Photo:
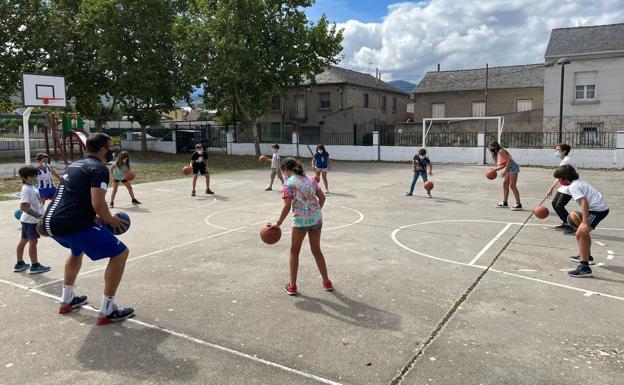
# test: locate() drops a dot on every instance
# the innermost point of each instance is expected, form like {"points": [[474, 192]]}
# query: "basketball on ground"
{"points": [[130, 176], [187, 170], [429, 185], [270, 235], [491, 174], [124, 217], [575, 218], [540, 212], [263, 159]]}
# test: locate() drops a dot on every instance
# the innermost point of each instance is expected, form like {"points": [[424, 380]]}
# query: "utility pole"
{"points": [[485, 111]]}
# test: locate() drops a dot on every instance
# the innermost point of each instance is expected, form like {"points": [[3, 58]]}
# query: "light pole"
{"points": [[562, 62]]}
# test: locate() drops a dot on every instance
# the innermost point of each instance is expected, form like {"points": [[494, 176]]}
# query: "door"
{"points": [[300, 110]]}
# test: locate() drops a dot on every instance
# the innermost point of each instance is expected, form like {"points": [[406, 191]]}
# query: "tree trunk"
{"points": [[143, 138], [247, 123]]}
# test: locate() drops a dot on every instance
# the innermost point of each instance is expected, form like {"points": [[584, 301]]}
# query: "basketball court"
{"points": [[449, 290]]}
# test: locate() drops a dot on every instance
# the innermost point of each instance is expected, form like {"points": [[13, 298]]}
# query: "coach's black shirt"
{"points": [[71, 210]]}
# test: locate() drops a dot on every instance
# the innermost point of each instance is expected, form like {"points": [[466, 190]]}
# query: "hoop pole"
{"points": [[423, 133], [25, 118]]}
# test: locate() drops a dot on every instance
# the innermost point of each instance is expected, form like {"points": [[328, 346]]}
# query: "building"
{"points": [[181, 114], [337, 101], [514, 92], [593, 85]]}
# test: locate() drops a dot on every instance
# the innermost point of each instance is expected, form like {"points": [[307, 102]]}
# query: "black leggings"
{"points": [[559, 202]]}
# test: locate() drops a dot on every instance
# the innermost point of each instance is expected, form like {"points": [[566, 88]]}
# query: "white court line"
{"points": [[600, 243], [191, 339], [394, 238], [490, 243]]}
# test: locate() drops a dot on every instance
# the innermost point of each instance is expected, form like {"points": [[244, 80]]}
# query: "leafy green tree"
{"points": [[250, 50]]}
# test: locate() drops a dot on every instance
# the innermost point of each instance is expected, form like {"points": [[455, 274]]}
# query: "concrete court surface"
{"points": [[449, 290]]}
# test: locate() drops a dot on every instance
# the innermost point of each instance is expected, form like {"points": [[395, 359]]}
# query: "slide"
{"points": [[81, 138]]}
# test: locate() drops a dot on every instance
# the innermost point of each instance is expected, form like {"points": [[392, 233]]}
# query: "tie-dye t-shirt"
{"points": [[305, 204]]}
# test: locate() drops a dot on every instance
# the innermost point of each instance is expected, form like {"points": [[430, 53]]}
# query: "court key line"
{"points": [[191, 339], [490, 243]]}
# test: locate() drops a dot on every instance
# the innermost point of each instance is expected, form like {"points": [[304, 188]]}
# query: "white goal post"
{"points": [[426, 127]]}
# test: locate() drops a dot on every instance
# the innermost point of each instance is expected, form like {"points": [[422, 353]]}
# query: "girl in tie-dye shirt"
{"points": [[304, 196]]}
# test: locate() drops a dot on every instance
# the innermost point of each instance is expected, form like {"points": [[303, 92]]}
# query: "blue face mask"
{"points": [[557, 154]]}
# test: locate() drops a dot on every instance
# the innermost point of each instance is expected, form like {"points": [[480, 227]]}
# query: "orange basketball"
{"points": [[130, 176], [187, 170], [575, 218], [540, 212], [270, 235], [491, 174], [263, 158], [429, 185]]}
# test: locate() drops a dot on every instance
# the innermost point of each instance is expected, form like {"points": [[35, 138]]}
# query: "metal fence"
{"points": [[267, 133], [589, 139]]}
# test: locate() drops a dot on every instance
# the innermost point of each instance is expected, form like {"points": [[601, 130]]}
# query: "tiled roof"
{"points": [[520, 76], [338, 75], [583, 40]]}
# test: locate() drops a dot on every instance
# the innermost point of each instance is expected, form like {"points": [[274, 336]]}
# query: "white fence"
{"points": [[584, 158]]}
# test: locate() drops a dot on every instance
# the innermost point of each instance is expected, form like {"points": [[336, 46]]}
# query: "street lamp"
{"points": [[562, 62]]}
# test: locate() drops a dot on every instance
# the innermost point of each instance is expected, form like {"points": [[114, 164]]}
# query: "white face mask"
{"points": [[199, 150], [319, 152]]}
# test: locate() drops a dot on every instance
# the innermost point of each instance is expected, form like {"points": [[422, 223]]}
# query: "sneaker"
{"points": [[209, 191], [328, 286], [562, 226], [268, 189], [569, 231], [326, 192], [502, 205], [116, 316], [193, 193], [408, 194], [516, 207], [21, 266], [135, 202], [112, 205], [429, 196], [75, 303], [291, 289], [581, 271], [577, 259], [38, 268]]}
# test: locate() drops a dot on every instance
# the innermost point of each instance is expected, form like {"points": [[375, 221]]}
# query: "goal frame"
{"points": [[425, 128]]}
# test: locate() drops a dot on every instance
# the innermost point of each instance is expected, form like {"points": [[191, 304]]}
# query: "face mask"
{"points": [[110, 154], [564, 182], [319, 152], [199, 150], [557, 154]]}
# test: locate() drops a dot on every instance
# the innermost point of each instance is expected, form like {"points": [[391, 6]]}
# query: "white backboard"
{"points": [[40, 90]]}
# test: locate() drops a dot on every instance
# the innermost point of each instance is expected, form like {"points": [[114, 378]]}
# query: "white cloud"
{"points": [[414, 36]]}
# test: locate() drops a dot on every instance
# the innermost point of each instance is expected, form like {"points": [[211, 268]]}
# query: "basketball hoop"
{"points": [[47, 101]]}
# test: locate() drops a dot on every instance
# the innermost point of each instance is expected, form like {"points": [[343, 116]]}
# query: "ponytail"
{"points": [[292, 164]]}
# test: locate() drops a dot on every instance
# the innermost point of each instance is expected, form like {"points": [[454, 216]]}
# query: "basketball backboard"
{"points": [[40, 90]]}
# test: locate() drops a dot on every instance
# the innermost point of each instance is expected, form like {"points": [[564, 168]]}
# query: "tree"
{"points": [[21, 25], [251, 50]]}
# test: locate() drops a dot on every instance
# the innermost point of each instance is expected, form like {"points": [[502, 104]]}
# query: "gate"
{"points": [[213, 138]]}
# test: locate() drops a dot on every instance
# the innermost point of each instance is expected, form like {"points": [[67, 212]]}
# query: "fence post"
{"points": [[229, 140], [376, 148], [295, 142], [619, 150], [481, 144]]}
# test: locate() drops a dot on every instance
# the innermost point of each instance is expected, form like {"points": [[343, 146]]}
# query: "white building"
{"points": [[593, 96]]}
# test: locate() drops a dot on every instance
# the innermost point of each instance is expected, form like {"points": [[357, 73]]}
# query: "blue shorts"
{"points": [[47, 193], [514, 169], [96, 241], [306, 228], [29, 231]]}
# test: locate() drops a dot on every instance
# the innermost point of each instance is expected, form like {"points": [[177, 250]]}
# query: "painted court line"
{"points": [[490, 243], [191, 339]]}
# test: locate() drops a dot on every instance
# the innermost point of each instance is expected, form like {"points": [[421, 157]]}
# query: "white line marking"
{"points": [[610, 256], [191, 339], [588, 294], [527, 270], [600, 243], [610, 252], [490, 243]]}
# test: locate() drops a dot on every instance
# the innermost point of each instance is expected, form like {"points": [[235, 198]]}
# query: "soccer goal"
{"points": [[428, 122]]}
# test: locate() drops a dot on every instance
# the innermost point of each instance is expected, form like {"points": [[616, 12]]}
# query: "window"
{"points": [[383, 103], [589, 133], [276, 103], [324, 101], [300, 110], [523, 105], [394, 104], [478, 109], [585, 85], [366, 105], [437, 110]]}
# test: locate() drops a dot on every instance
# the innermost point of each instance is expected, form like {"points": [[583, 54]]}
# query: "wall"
{"points": [[152, 145]]}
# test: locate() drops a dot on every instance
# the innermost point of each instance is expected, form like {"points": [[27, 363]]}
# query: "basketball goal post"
{"points": [[428, 122]]}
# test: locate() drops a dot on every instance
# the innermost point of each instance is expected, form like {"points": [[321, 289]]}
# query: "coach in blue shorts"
{"points": [[76, 218]]}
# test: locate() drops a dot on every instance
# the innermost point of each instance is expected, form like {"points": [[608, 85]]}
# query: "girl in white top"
{"points": [[562, 198]]}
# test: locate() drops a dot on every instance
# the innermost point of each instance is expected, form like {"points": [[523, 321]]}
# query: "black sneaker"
{"points": [[581, 271], [115, 316], [209, 191], [577, 259], [38, 268], [21, 266], [502, 205], [135, 202], [112, 205], [193, 193], [569, 231], [562, 226], [268, 189], [75, 303], [516, 207]]}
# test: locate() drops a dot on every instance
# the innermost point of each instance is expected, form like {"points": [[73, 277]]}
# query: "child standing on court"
{"points": [[419, 167], [563, 196], [45, 183], [32, 209], [320, 163], [199, 163], [304, 196], [275, 167], [505, 162], [118, 170], [594, 209]]}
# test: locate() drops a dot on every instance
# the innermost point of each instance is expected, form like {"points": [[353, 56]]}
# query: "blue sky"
{"points": [[408, 38]]}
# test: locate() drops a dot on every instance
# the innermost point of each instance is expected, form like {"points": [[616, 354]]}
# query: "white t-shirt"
{"points": [[31, 196], [580, 188], [275, 161], [564, 161]]}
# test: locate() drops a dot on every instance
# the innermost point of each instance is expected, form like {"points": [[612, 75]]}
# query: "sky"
{"points": [[406, 39]]}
